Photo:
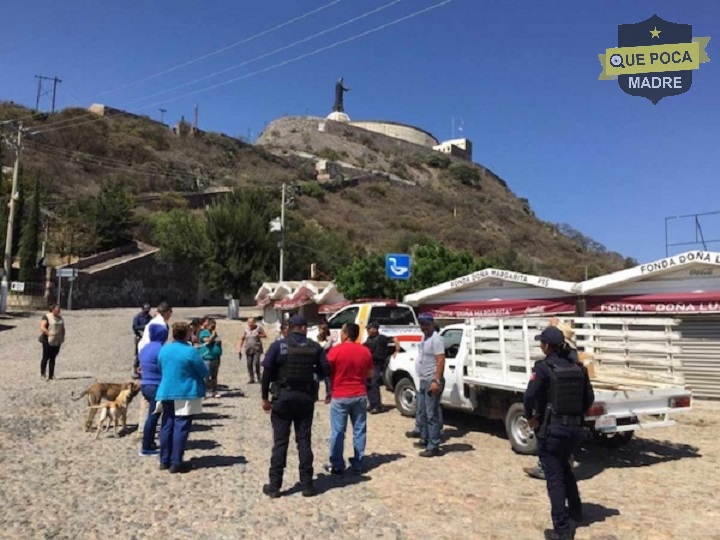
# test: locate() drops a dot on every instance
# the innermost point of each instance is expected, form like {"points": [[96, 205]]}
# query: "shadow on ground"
{"points": [[596, 513], [373, 461], [205, 427], [594, 459], [208, 462], [211, 416], [202, 444], [4, 327]]}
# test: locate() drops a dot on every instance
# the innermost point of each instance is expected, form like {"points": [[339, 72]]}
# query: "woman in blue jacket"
{"points": [[150, 379], [181, 390]]}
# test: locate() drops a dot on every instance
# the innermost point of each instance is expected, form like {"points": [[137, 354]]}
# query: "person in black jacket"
{"points": [[380, 348], [139, 323], [292, 366], [557, 397]]}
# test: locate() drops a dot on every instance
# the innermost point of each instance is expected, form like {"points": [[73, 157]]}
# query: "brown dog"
{"points": [[110, 391], [113, 411]]}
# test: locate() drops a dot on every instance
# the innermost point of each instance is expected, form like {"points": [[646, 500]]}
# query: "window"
{"points": [[347, 316], [392, 316], [452, 339]]}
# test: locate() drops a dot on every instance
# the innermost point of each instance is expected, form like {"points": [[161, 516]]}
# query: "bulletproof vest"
{"points": [[297, 372], [567, 387]]}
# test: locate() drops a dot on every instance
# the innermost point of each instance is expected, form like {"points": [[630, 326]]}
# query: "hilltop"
{"points": [[390, 193]]}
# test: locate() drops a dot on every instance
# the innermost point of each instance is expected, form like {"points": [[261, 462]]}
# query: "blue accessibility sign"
{"points": [[397, 266]]}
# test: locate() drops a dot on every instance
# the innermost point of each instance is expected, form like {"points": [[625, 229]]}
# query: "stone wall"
{"points": [[142, 279]]}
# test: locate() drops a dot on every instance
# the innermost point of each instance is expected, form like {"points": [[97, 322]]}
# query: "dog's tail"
{"points": [[72, 395]]}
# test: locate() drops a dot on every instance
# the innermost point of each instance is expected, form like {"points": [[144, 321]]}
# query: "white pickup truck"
{"points": [[396, 321], [489, 361]]}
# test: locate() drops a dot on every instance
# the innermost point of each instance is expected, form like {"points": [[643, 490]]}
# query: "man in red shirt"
{"points": [[350, 366]]}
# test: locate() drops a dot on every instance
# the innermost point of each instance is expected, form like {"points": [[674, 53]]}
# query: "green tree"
{"points": [[432, 263], [30, 239], [240, 243], [113, 216], [181, 236]]}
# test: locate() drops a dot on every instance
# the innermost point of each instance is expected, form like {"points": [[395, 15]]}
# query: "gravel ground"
{"points": [[57, 482]]}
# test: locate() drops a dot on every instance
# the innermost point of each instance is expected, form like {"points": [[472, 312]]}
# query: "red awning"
{"points": [[263, 301], [671, 303], [500, 308]]}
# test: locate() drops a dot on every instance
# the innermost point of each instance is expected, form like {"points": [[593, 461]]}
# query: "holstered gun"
{"points": [[542, 431], [274, 391]]}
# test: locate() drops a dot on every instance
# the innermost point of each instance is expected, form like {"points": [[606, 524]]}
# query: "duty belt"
{"points": [[563, 420]]}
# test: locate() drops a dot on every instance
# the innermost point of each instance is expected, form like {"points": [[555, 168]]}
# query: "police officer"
{"points": [[292, 365], [557, 396]]}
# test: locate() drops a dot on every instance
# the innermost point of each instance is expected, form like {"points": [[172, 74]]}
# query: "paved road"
{"points": [[57, 482]]}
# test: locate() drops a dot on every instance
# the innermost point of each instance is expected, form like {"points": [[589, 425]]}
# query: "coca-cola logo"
{"points": [[702, 272]]}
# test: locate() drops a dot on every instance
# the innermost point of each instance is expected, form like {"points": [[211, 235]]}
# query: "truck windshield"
{"points": [[347, 316], [392, 315]]}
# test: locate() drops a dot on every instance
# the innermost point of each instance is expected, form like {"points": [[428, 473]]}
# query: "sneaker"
{"points": [[271, 491], [164, 466], [535, 472], [151, 452], [215, 395], [309, 491], [332, 470], [377, 410], [420, 444], [180, 469], [430, 453], [251, 381], [412, 434]]}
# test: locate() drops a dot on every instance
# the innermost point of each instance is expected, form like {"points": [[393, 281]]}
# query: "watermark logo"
{"points": [[654, 58]]}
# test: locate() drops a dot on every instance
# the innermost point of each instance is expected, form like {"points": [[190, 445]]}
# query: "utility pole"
{"points": [[55, 82], [7, 262], [162, 115], [282, 234]]}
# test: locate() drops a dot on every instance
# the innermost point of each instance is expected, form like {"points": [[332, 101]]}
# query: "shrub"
{"points": [[437, 161], [314, 190], [329, 153], [352, 196], [465, 174], [377, 190]]}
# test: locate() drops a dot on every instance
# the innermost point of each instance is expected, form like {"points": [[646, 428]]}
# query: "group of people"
{"points": [[174, 377], [294, 367]]}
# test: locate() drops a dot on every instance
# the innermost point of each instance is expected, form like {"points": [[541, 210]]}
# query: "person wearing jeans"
{"points": [[150, 379], [180, 393], [251, 345], [429, 368], [350, 365]]}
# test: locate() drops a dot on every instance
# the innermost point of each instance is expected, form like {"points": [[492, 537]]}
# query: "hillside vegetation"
{"points": [[393, 194]]}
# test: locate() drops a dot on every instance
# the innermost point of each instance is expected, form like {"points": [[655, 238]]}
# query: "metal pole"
{"points": [[55, 83], [282, 233], [7, 262], [39, 90], [69, 304], [59, 291]]}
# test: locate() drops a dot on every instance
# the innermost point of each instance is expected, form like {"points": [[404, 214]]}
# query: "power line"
{"points": [[221, 50], [275, 66], [271, 53], [252, 60]]}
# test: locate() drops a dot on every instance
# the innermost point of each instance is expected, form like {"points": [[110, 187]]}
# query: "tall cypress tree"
{"points": [[30, 239]]}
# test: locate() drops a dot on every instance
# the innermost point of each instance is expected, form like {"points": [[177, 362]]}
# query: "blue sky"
{"points": [[522, 76]]}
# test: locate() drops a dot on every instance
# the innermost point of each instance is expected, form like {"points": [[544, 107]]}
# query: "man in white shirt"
{"points": [[429, 368], [162, 316]]}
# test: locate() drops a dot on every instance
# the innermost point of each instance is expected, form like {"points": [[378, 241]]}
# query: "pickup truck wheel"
{"points": [[406, 397], [613, 440], [522, 439]]}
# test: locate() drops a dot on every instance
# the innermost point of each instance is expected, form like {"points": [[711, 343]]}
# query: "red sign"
{"points": [[672, 303], [501, 308]]}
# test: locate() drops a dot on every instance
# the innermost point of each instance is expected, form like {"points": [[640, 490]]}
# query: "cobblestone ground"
{"points": [[57, 482]]}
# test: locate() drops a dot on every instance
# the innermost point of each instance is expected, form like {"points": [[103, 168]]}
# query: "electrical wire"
{"points": [[266, 55], [221, 50], [275, 66], [69, 121]]}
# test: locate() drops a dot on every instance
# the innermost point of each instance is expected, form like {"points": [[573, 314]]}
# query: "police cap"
{"points": [[551, 335]]}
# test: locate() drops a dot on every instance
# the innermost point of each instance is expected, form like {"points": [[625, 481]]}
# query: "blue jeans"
{"points": [[151, 422], [340, 409], [429, 417], [174, 434]]}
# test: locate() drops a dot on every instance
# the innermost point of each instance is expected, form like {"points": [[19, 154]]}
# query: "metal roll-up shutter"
{"points": [[700, 355]]}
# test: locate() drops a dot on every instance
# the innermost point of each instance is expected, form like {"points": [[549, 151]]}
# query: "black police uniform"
{"points": [[558, 394], [292, 365], [379, 348]]}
